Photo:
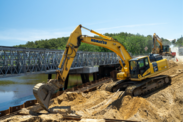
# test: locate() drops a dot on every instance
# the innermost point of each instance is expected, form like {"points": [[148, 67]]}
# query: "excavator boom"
{"points": [[74, 41]]}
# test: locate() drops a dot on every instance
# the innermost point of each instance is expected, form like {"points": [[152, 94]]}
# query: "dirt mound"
{"points": [[40, 118], [130, 106], [163, 105], [103, 86], [70, 96], [67, 97], [172, 63]]}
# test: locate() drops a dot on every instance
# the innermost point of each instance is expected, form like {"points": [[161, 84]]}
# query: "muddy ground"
{"points": [[165, 104]]}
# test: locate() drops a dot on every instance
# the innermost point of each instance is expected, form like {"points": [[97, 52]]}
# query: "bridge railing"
{"points": [[29, 60]]}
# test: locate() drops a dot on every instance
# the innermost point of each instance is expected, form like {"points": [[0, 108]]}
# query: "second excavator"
{"points": [[163, 50], [137, 76]]}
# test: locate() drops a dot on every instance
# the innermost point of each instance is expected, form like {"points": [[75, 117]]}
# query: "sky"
{"points": [[31, 20]]}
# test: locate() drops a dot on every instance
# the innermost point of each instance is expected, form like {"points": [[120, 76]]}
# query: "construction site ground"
{"points": [[165, 104]]}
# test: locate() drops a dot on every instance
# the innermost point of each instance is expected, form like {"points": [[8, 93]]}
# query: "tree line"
{"points": [[134, 43], [179, 42]]}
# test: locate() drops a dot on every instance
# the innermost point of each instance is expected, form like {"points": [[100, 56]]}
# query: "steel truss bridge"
{"points": [[20, 61]]}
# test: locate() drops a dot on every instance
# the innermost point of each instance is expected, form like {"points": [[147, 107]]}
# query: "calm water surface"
{"points": [[22, 89]]}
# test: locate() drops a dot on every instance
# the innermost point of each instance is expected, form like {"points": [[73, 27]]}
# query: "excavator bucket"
{"points": [[44, 91], [42, 94]]}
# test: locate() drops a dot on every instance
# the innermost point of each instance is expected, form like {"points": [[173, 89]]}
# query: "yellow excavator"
{"points": [[163, 50], [136, 77]]}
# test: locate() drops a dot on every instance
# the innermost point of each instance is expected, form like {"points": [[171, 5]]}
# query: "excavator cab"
{"points": [[138, 66], [165, 48]]}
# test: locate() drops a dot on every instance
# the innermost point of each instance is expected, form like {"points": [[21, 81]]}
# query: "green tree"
{"points": [[134, 43]]}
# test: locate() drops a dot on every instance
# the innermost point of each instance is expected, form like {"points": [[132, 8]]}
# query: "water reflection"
{"points": [[21, 91], [15, 94], [15, 102], [4, 98], [18, 90]]}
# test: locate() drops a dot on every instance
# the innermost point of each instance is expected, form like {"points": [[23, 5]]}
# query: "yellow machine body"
{"points": [[135, 69], [147, 70]]}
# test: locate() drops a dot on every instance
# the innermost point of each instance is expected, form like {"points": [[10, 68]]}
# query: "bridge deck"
{"points": [[21, 61]]}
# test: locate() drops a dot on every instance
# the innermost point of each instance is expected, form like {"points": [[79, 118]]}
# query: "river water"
{"points": [[17, 90]]}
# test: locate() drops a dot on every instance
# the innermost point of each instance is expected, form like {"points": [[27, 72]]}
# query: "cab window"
{"points": [[133, 65], [146, 62], [165, 48], [133, 69], [141, 63]]}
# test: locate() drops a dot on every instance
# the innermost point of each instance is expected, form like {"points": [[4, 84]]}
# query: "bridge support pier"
{"points": [[85, 78], [108, 71], [49, 76], [95, 76]]}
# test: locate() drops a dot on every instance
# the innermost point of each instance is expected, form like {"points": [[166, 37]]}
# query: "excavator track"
{"points": [[135, 88], [111, 87], [120, 84], [149, 85]]}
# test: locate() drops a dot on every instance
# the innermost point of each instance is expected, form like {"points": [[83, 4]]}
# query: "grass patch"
{"points": [[11, 82], [74, 85], [34, 82], [7, 82], [74, 80]]}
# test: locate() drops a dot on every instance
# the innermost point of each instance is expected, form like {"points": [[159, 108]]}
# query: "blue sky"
{"points": [[31, 20]]}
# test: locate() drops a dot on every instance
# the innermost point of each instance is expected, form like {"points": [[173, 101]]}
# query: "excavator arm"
{"points": [[74, 42], [43, 92], [156, 38]]}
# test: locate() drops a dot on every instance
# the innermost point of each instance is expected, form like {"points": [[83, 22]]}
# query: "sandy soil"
{"points": [[163, 105]]}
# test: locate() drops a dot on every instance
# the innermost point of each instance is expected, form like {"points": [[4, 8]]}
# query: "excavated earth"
{"points": [[165, 104]]}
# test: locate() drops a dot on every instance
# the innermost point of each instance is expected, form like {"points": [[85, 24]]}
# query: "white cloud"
{"points": [[31, 35]]}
